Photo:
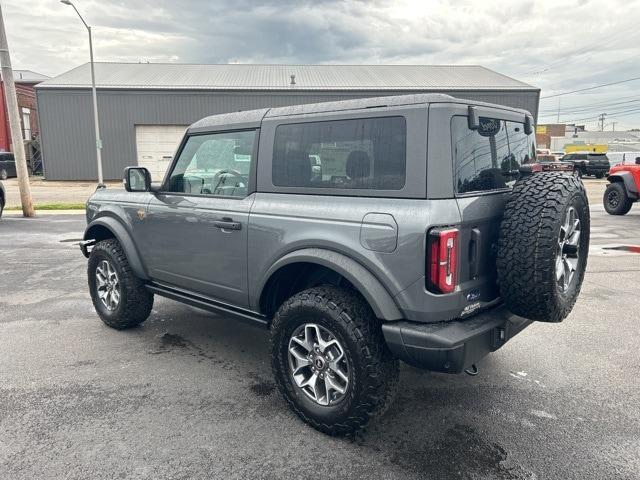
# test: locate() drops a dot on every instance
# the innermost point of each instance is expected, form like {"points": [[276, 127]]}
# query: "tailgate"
{"points": [[481, 216]]}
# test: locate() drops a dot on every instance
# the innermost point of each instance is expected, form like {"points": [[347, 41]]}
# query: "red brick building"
{"points": [[28, 109]]}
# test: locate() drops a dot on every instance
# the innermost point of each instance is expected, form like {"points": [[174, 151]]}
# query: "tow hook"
{"points": [[472, 370]]}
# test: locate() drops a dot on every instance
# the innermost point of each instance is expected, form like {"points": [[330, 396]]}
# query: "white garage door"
{"points": [[156, 145]]}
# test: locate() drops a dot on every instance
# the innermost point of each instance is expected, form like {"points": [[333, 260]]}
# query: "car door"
{"points": [[195, 233]]}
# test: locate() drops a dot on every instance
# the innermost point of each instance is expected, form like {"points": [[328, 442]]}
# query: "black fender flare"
{"points": [[363, 280], [629, 183], [123, 236]]}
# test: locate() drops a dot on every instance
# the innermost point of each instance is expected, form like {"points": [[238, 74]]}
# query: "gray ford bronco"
{"points": [[362, 232]]}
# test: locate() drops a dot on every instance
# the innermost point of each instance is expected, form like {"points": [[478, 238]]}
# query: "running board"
{"points": [[209, 305]]}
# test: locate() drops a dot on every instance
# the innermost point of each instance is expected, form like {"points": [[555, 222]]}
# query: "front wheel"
{"points": [[330, 360], [119, 297], [616, 201]]}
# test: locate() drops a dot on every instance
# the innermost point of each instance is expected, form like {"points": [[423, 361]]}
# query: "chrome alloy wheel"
{"points": [[318, 364], [568, 249], [107, 285]]}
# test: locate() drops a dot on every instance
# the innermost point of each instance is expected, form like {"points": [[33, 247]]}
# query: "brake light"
{"points": [[442, 260]]}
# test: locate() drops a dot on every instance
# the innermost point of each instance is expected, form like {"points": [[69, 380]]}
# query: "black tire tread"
{"points": [[138, 300], [527, 244], [381, 368], [625, 204]]}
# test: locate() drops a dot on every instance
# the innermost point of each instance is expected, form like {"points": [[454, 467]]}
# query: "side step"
{"points": [[209, 304]]}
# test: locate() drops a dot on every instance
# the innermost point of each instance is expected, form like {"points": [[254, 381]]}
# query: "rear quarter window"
{"points": [[489, 162], [367, 153]]}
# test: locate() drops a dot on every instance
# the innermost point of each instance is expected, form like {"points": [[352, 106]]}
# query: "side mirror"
{"points": [[637, 160], [137, 179]]}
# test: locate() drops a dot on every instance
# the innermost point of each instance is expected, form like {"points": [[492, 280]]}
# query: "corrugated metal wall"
{"points": [[66, 120]]}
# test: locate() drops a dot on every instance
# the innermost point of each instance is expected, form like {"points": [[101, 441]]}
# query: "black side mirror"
{"points": [[637, 160], [137, 179]]}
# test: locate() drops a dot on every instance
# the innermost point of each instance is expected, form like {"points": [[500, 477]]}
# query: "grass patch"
{"points": [[52, 206]]}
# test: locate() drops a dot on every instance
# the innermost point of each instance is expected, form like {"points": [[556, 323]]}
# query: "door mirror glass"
{"points": [[137, 179], [637, 160]]}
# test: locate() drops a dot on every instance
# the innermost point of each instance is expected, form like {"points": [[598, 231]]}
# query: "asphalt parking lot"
{"points": [[189, 394]]}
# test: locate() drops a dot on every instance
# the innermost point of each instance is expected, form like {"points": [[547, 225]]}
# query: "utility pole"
{"points": [[558, 118], [601, 120], [14, 123], [613, 126]]}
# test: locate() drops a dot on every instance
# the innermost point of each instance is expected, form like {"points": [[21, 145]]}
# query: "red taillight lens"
{"points": [[442, 262]]}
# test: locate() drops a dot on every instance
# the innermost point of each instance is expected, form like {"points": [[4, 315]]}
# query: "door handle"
{"points": [[227, 224]]}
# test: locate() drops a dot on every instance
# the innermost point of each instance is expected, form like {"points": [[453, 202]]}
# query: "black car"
{"points": [[3, 198], [596, 164], [7, 165]]}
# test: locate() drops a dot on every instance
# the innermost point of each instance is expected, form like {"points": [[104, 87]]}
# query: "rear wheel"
{"points": [[543, 246], [616, 201], [599, 175], [330, 360], [119, 297]]}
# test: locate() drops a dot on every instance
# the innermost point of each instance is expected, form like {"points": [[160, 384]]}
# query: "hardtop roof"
{"points": [[250, 117]]}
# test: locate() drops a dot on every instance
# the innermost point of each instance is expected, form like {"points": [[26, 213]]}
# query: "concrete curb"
{"points": [[42, 213]]}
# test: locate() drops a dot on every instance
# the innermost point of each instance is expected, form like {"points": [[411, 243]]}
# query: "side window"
{"points": [[489, 158], [214, 164], [368, 153]]}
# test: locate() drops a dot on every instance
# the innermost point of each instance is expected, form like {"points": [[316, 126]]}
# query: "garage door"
{"points": [[156, 145]]}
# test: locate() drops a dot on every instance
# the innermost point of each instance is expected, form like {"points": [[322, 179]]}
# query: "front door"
{"points": [[195, 234]]}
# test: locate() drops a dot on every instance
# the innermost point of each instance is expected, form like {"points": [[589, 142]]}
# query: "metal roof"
{"points": [[173, 76], [28, 76]]}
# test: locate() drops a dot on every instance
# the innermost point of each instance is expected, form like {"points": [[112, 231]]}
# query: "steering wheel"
{"points": [[217, 178]]}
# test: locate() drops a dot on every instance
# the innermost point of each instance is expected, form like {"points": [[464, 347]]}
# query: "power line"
{"points": [[591, 106], [590, 88]]}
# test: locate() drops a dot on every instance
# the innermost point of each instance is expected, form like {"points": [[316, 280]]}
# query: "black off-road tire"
{"points": [[136, 301], [615, 199], [528, 245], [599, 175], [374, 371]]}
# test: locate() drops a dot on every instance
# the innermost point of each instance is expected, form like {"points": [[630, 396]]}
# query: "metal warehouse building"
{"points": [[144, 108]]}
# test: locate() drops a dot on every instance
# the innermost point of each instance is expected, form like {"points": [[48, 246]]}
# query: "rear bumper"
{"points": [[450, 347], [594, 169]]}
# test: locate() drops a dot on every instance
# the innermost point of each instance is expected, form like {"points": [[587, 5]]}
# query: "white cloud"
{"points": [[557, 45]]}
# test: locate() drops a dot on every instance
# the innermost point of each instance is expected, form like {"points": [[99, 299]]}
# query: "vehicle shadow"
{"points": [[441, 424]]}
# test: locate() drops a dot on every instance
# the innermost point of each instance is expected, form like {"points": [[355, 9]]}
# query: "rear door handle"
{"points": [[227, 224]]}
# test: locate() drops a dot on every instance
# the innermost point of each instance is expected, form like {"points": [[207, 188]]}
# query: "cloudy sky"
{"points": [[557, 45]]}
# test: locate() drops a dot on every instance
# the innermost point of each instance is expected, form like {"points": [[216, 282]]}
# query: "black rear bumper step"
{"points": [[209, 304], [450, 347]]}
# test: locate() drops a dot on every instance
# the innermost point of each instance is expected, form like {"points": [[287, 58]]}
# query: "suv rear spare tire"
{"points": [[543, 246]]}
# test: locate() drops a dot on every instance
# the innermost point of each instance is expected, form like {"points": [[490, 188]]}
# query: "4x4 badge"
{"points": [[141, 213]]}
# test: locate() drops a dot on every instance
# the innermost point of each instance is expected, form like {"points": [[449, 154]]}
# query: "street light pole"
{"points": [[96, 122]]}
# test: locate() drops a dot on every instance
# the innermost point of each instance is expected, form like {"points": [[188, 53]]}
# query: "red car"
{"points": [[623, 188]]}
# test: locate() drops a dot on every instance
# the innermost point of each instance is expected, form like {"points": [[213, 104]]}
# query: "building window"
{"points": [[26, 123]]}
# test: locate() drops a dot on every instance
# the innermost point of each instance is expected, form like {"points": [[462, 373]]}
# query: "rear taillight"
{"points": [[442, 260]]}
